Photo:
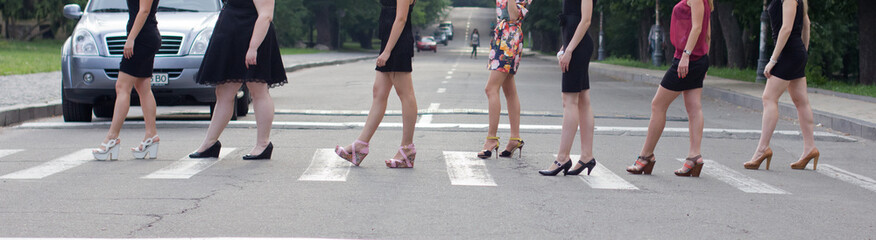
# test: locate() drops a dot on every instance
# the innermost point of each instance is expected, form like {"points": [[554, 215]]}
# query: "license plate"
{"points": [[159, 79]]}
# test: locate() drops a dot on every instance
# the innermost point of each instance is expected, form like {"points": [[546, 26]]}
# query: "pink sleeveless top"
{"points": [[679, 29]]}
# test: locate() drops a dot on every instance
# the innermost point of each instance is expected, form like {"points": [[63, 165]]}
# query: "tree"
{"points": [[866, 42], [46, 15]]}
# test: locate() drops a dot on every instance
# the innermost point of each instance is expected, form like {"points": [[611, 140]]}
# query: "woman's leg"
{"points": [[659, 106], [586, 123], [123, 102], [148, 105], [797, 90], [225, 96], [381, 89], [495, 82], [511, 97], [263, 105], [404, 87], [570, 127], [694, 106], [771, 93]]}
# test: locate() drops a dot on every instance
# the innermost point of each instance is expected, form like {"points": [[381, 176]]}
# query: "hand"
{"points": [[381, 60], [251, 56], [768, 69], [564, 61], [683, 66], [128, 51]]}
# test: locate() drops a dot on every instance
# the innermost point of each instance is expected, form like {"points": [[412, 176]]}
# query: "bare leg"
{"points": [[797, 90], [570, 127], [659, 106], [225, 94], [380, 94], [694, 107], [123, 103], [495, 82], [511, 97], [586, 123], [263, 105], [148, 105], [771, 93], [404, 87]]}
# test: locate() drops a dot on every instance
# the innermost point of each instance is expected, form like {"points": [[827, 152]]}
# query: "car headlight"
{"points": [[84, 44], [199, 46]]}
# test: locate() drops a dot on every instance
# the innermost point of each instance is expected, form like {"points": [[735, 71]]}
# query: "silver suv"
{"points": [[90, 57]]}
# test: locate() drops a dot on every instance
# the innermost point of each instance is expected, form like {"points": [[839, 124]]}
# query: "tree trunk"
{"points": [[866, 41], [732, 34], [644, 28], [324, 27], [717, 49]]}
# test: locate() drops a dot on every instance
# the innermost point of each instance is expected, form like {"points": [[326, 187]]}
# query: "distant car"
{"points": [[447, 26], [440, 37], [427, 44]]}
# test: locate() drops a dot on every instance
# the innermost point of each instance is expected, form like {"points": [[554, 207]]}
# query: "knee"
{"points": [[491, 91], [799, 101]]}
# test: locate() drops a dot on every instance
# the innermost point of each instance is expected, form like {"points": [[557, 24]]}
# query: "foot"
{"points": [[206, 145], [258, 149], [105, 142], [154, 138], [512, 144], [490, 144]]}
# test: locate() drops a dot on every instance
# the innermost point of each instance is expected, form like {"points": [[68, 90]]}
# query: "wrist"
{"points": [[686, 52], [773, 60]]}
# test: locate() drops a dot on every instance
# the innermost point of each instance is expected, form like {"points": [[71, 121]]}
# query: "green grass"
{"points": [[294, 51], [814, 79], [29, 57]]}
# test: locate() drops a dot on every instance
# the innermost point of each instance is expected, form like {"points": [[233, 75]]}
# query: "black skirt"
{"points": [[792, 61], [400, 57], [577, 79], [145, 47], [694, 79]]}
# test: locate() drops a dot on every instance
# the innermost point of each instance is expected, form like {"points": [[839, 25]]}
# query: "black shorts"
{"points": [[694, 79]]}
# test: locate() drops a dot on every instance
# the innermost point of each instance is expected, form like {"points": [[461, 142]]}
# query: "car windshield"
{"points": [[163, 6], [427, 39]]}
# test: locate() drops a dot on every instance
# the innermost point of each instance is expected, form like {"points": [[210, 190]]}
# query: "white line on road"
{"points": [[7, 152], [465, 169], [54, 166], [427, 118], [443, 82], [326, 166], [450, 72], [187, 167], [448, 77], [736, 179], [602, 178], [849, 177], [441, 90]]}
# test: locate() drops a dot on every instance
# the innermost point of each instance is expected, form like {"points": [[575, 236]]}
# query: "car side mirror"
{"points": [[72, 11]]}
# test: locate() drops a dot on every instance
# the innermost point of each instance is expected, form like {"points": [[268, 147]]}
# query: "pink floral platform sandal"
{"points": [[356, 155], [407, 160]]}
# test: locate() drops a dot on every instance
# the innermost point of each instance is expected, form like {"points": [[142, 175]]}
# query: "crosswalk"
{"points": [[463, 169]]}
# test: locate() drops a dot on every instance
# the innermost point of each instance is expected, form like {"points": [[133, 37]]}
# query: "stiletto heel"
{"points": [[356, 156], [407, 160], [801, 164], [110, 151], [212, 152], [507, 153], [589, 166], [693, 169], [265, 155], [755, 164], [564, 167], [643, 165], [147, 149], [487, 153]]}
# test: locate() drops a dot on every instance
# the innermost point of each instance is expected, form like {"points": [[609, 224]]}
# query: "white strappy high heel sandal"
{"points": [[147, 149], [110, 151]]}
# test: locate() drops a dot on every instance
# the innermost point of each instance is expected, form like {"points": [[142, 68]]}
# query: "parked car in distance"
{"points": [[427, 44], [90, 57], [440, 37], [447, 26]]}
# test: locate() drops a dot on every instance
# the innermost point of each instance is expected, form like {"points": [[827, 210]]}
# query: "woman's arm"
{"points": [[580, 31], [789, 12], [145, 9], [511, 6], [805, 34], [401, 18], [697, 11], [265, 9]]}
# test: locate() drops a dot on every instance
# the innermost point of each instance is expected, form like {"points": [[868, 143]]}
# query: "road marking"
{"points": [[602, 178], [186, 167], [465, 169], [443, 82], [427, 118], [326, 166], [198, 238], [7, 152], [849, 177], [441, 90], [54, 166], [448, 77], [450, 72], [736, 179]]}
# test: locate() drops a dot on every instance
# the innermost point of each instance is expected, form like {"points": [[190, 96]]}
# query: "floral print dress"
{"points": [[507, 43]]}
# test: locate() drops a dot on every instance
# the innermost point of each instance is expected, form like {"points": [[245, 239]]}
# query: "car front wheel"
{"points": [[75, 112]]}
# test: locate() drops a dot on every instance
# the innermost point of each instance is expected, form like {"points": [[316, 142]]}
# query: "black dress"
{"points": [[146, 44], [792, 60], [400, 57], [225, 58], [577, 79]]}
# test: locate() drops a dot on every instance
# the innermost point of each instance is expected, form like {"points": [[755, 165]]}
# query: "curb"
{"points": [[20, 113], [851, 126]]}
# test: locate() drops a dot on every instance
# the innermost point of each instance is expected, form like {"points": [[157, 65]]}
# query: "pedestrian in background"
{"points": [[574, 61], [135, 71], [393, 70], [475, 42], [787, 70], [690, 34], [242, 50], [505, 50]]}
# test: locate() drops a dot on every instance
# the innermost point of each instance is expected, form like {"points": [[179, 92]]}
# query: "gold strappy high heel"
{"points": [[507, 153], [487, 153]]}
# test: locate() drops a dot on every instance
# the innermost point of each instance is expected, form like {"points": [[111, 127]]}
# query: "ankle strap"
{"points": [[360, 142], [492, 138], [516, 139]]}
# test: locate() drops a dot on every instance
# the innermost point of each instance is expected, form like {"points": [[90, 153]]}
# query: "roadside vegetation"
{"points": [[29, 57]]}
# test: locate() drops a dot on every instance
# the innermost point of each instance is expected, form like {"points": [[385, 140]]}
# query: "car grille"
{"points": [[171, 73], [169, 45]]}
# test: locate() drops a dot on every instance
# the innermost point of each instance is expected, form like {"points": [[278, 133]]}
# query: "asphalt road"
{"points": [[50, 188]]}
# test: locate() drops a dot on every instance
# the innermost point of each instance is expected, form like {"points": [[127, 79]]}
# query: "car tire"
{"points": [[418, 50], [75, 112], [242, 104], [104, 110]]}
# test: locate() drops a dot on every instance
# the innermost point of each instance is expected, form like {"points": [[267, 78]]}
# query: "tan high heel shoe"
{"points": [[801, 164], [755, 164]]}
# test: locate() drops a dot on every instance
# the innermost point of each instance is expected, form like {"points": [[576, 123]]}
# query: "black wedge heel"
{"points": [[212, 152], [265, 155]]}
